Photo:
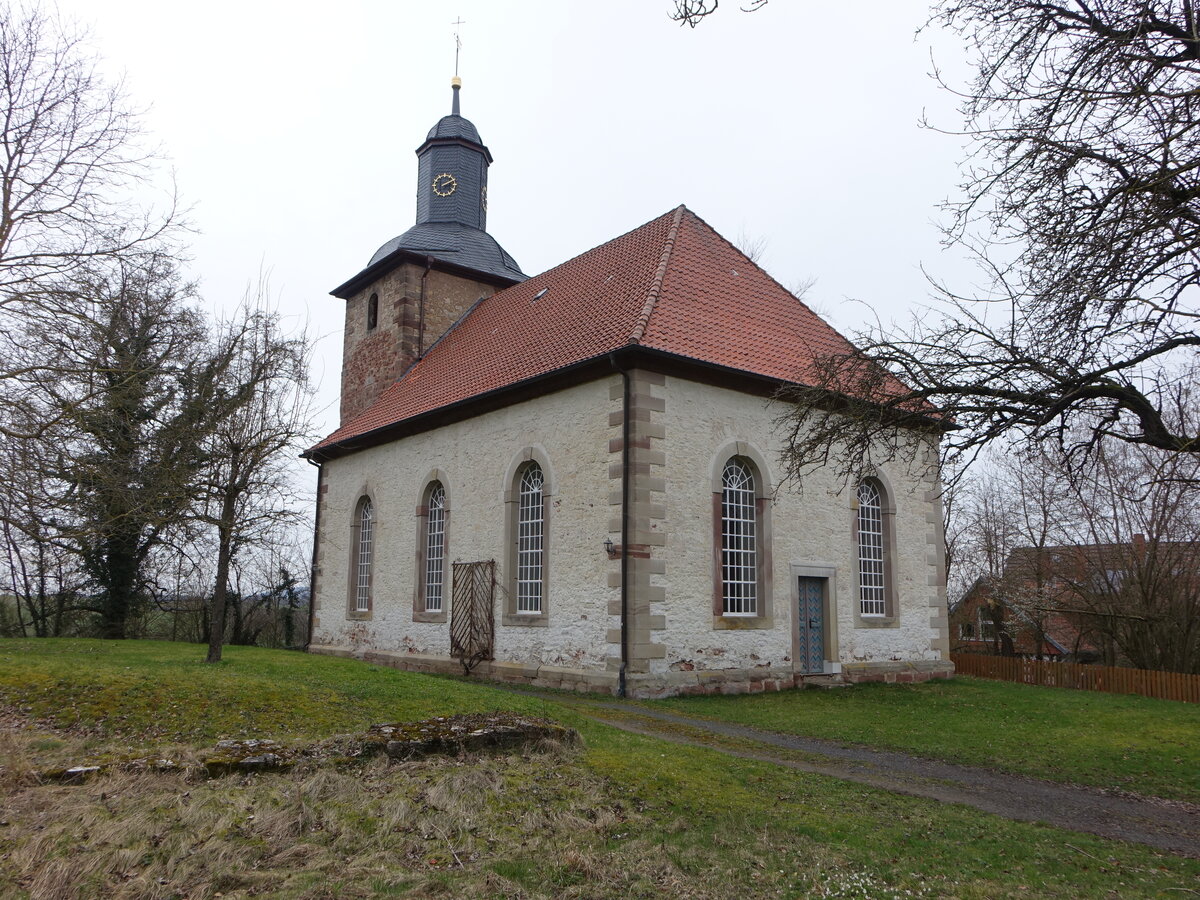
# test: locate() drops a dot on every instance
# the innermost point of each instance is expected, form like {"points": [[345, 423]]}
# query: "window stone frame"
{"points": [[887, 506], [421, 549], [365, 495], [764, 618], [512, 500]]}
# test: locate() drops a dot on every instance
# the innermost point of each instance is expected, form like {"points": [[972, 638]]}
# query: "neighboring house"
{"points": [[573, 479], [1025, 626], [1068, 601]]}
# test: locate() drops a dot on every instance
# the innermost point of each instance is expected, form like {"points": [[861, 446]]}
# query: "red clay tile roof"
{"points": [[673, 285]]}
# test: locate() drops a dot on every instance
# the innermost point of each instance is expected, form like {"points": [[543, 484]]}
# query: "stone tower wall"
{"points": [[373, 359]]}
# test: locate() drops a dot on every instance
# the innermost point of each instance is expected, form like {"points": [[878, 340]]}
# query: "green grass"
{"points": [[164, 691], [1108, 740], [629, 816]]}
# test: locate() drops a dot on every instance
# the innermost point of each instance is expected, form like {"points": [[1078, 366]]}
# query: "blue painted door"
{"points": [[811, 616]]}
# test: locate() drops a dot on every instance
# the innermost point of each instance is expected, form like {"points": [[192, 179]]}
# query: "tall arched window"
{"points": [[530, 546], [365, 528], [435, 547], [872, 568], [739, 540]]}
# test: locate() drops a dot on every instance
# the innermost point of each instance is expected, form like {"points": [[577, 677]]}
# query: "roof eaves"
{"points": [[351, 286], [1057, 644], [381, 434], [643, 319]]}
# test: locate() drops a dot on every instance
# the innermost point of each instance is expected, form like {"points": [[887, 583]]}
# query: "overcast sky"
{"points": [[291, 129]]}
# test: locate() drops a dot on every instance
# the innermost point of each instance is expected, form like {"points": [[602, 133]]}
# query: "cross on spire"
{"points": [[457, 42]]}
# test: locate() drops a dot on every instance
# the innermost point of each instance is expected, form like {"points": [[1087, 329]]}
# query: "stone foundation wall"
{"points": [[897, 672], [649, 687]]}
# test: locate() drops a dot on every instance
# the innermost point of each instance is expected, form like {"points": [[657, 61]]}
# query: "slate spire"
{"points": [[451, 226], [452, 171]]}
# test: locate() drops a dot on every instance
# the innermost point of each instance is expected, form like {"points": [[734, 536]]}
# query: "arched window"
{"points": [[372, 312], [435, 548], [739, 540], [872, 563], [530, 546], [363, 543]]}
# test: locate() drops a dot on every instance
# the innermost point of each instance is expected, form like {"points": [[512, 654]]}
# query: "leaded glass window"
{"points": [[872, 594], [435, 547], [530, 538], [739, 549], [362, 583]]}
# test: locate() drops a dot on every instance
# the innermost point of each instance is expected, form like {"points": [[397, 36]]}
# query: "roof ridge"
{"points": [[643, 319], [583, 253]]}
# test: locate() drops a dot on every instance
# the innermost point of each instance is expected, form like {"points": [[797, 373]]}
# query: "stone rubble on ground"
{"points": [[442, 735]]}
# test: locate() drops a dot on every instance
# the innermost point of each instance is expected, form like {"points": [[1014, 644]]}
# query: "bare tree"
{"points": [[693, 12], [1137, 584], [248, 482], [1107, 555], [981, 524], [1035, 488], [45, 579], [1081, 201], [71, 150]]}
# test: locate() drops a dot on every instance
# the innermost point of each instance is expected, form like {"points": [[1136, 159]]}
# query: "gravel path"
{"points": [[1168, 825]]}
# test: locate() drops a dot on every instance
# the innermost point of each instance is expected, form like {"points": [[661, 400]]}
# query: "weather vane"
{"points": [[457, 42]]}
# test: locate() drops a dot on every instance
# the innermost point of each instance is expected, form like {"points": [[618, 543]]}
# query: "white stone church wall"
{"points": [[812, 525], [570, 430], [700, 427]]}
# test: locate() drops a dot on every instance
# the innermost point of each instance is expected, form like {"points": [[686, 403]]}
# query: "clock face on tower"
{"points": [[445, 184]]}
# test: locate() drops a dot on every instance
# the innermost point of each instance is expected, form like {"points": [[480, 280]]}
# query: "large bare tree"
{"points": [[72, 154], [1081, 202]]}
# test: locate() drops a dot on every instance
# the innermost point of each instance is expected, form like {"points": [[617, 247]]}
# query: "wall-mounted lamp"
{"points": [[610, 548]]}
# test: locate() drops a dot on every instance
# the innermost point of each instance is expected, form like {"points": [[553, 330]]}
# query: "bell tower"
{"points": [[452, 170], [419, 284]]}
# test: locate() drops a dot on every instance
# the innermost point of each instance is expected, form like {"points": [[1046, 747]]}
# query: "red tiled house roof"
{"points": [[673, 286]]}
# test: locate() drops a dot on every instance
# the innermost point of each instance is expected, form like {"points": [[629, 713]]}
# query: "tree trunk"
{"points": [[238, 636], [120, 552], [216, 628]]}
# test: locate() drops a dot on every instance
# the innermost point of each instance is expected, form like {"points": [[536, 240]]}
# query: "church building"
{"points": [[573, 479]]}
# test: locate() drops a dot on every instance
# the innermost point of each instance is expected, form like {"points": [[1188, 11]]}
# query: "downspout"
{"points": [[312, 577], [421, 308], [625, 483]]}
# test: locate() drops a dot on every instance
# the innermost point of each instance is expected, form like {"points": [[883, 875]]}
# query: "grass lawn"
{"points": [[627, 816], [1109, 740]]}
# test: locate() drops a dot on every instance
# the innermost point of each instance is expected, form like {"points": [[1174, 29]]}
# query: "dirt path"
{"points": [[1168, 825]]}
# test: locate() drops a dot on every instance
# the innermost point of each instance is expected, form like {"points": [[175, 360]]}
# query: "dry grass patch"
{"points": [[532, 825]]}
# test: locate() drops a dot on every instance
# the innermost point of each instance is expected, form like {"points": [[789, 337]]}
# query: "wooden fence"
{"points": [[1113, 679]]}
